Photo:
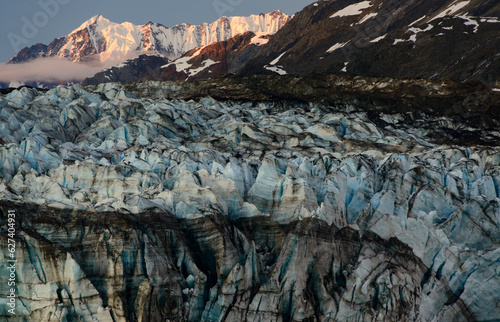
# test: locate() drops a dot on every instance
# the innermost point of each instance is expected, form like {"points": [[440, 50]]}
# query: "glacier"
{"points": [[146, 208]]}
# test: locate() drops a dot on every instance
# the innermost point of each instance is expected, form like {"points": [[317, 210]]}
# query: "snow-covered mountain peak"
{"points": [[109, 43], [98, 20], [273, 13]]}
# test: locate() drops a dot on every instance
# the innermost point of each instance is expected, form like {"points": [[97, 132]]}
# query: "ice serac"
{"points": [[107, 42], [133, 206]]}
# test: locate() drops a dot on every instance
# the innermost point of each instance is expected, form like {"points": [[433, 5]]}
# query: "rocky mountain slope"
{"points": [[101, 40], [400, 39], [135, 207], [456, 40], [144, 66], [208, 61], [213, 60]]}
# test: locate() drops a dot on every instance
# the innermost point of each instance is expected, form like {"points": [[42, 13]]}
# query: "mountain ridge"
{"points": [[435, 40], [422, 39], [100, 39], [216, 59]]}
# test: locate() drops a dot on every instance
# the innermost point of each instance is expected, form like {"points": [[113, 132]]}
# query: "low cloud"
{"points": [[61, 70], [53, 70]]}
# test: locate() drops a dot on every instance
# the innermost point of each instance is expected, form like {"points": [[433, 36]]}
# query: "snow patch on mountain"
{"points": [[396, 218], [276, 68], [335, 47], [415, 31], [367, 17], [275, 61], [352, 10], [98, 20], [344, 69], [205, 64], [397, 41], [452, 9], [181, 64], [259, 40], [378, 38]]}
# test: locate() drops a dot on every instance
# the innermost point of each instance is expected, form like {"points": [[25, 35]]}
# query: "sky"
{"points": [[26, 22]]}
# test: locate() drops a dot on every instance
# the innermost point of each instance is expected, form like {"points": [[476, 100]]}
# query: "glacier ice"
{"points": [[244, 210]]}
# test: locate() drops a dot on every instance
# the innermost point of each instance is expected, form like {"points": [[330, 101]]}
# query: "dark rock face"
{"points": [[224, 57], [399, 39], [144, 66], [30, 53], [470, 103]]}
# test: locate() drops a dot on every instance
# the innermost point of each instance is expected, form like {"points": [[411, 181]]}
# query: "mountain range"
{"points": [[101, 40], [458, 40], [445, 39]]}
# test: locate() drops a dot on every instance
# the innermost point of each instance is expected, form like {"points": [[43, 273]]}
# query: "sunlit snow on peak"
{"points": [[100, 20], [105, 43]]}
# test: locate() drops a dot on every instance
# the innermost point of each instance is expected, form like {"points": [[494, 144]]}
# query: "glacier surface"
{"points": [[135, 208]]}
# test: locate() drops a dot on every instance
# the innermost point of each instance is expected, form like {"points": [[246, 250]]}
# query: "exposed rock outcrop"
{"points": [[220, 58], [144, 66]]}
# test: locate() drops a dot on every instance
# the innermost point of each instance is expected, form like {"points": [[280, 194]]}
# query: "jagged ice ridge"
{"points": [[201, 210]]}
